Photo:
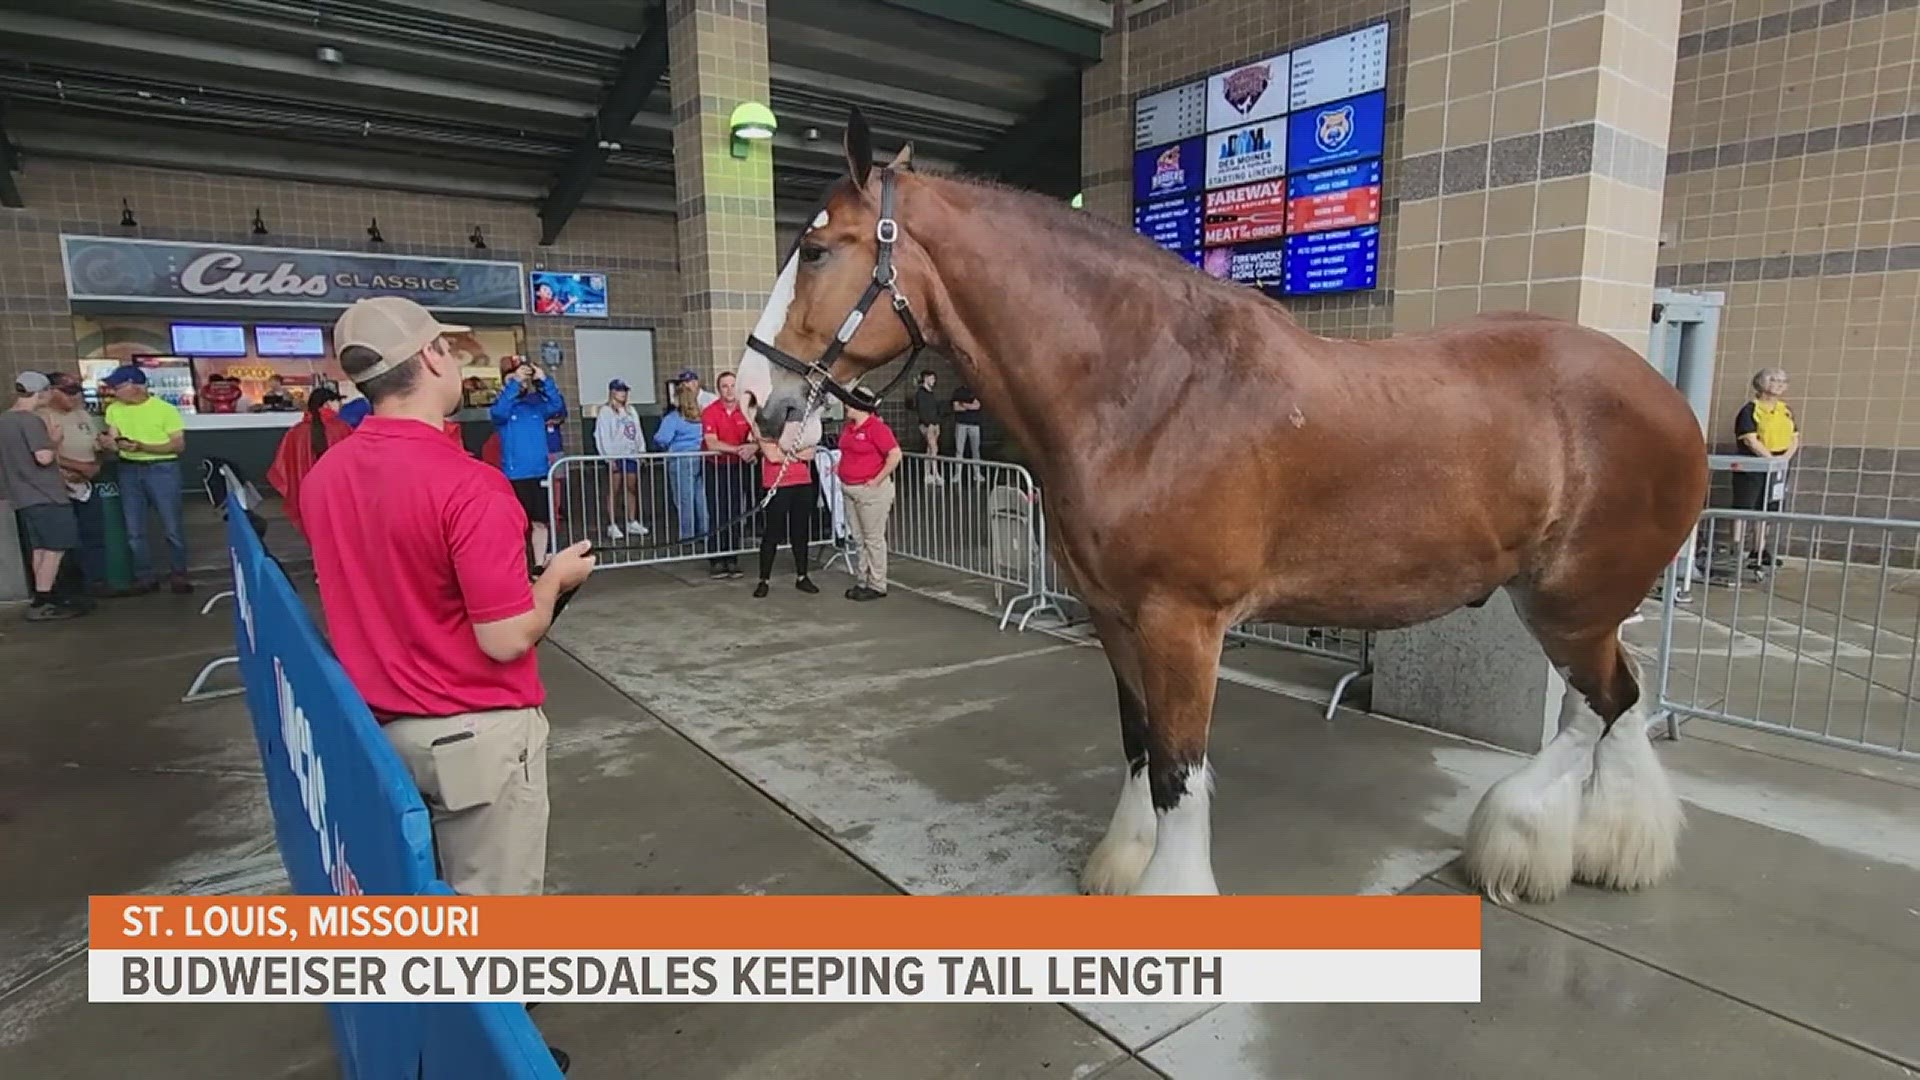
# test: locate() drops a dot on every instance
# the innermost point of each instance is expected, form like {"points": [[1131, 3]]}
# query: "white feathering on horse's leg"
{"points": [[1182, 863], [1630, 819], [1122, 855], [1520, 839]]}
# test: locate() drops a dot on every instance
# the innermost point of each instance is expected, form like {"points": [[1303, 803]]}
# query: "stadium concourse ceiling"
{"points": [[559, 103]]}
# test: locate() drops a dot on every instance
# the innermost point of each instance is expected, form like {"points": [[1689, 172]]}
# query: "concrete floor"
{"points": [[805, 744]]}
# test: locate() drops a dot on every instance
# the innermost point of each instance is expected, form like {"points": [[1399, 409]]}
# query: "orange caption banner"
{"points": [[789, 923]]}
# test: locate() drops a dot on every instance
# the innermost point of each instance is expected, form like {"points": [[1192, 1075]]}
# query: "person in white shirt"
{"points": [[616, 434]]}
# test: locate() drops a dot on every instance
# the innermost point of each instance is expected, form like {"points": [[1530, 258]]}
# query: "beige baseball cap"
{"points": [[393, 326]]}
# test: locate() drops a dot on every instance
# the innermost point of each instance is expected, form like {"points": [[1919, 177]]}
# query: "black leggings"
{"points": [[787, 517]]}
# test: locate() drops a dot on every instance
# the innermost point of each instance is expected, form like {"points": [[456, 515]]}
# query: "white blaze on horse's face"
{"points": [[759, 381]]}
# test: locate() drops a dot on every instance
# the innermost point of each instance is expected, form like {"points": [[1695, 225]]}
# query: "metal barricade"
{"points": [[1820, 647], [1353, 647], [651, 509], [977, 518]]}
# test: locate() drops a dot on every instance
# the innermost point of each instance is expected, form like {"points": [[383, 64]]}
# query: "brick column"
{"points": [[1534, 158], [717, 58]]}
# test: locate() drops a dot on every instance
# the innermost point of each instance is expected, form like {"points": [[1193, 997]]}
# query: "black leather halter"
{"points": [[886, 233]]}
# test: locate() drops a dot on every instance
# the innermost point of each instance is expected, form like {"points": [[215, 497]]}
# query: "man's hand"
{"points": [[570, 568], [747, 452]]}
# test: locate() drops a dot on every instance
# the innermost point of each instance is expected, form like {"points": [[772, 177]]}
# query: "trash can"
{"points": [[106, 488]]}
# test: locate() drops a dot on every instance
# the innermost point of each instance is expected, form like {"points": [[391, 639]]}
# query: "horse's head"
{"points": [[815, 322]]}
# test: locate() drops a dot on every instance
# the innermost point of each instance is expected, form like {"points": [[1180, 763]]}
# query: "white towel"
{"points": [[827, 463]]}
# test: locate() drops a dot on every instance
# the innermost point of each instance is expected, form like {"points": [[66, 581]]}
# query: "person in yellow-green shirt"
{"points": [[149, 435]]}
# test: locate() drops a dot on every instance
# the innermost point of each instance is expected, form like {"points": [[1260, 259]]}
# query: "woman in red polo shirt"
{"points": [[869, 453], [788, 513]]}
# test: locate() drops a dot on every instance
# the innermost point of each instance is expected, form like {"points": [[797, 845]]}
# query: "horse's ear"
{"points": [[903, 160], [859, 146]]}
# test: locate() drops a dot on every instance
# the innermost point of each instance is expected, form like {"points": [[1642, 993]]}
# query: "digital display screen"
{"points": [[1174, 224], [1161, 172], [1337, 132], [1270, 174], [289, 341], [1335, 198], [578, 296], [1343, 260], [1343, 67], [1243, 214], [209, 339]]}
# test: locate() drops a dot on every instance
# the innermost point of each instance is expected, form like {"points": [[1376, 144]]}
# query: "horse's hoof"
{"points": [[1520, 840], [1115, 867], [1630, 819]]}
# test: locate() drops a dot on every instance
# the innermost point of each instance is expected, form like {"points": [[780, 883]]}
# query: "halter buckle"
{"points": [[887, 231]]}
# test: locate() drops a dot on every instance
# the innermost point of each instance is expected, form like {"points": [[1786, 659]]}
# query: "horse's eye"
{"points": [[812, 253]]}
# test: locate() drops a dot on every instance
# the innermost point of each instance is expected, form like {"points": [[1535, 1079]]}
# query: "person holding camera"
{"points": [[528, 400]]}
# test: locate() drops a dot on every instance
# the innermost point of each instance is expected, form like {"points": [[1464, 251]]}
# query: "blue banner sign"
{"points": [[1344, 260], [173, 274], [1339, 132], [1174, 224], [1165, 171], [348, 820]]}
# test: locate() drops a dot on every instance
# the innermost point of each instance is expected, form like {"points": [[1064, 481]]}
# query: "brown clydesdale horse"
{"points": [[1204, 460]]}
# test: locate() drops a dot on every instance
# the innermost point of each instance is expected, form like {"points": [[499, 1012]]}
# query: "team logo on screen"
{"points": [[1243, 143], [1244, 88], [1167, 173], [1334, 128]]}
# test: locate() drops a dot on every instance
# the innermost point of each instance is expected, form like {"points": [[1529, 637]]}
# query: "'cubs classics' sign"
{"points": [[174, 273]]}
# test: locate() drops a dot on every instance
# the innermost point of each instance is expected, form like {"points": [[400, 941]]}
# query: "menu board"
{"points": [[1269, 173]]}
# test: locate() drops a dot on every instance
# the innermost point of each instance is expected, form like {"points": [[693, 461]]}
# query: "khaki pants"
{"points": [[483, 776], [867, 508]]}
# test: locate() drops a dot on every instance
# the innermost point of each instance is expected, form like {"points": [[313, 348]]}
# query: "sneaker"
{"points": [[51, 613], [733, 569], [806, 585], [717, 572], [933, 480], [636, 529], [614, 534], [181, 586], [760, 590]]}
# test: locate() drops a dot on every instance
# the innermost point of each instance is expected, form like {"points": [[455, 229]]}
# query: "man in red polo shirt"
{"points": [[727, 432], [869, 454], [419, 549]]}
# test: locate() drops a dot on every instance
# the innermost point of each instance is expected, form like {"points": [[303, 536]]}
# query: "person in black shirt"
{"points": [[926, 409], [968, 416]]}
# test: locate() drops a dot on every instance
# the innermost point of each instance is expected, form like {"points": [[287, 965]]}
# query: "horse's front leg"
{"points": [[1179, 652], [1122, 855]]}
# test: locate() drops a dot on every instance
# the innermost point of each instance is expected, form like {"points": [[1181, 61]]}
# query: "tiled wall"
{"points": [[1535, 137], [1793, 185], [1182, 40], [636, 251]]}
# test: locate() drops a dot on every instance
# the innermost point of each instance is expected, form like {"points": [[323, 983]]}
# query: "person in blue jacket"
{"points": [[680, 435], [528, 400]]}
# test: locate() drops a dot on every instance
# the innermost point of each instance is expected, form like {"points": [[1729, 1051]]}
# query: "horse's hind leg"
{"points": [[1593, 803], [1122, 855]]}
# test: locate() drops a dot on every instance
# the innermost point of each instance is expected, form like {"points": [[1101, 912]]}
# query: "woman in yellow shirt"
{"points": [[1764, 428]]}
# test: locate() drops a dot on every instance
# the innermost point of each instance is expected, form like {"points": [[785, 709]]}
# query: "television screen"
{"points": [[290, 341], [579, 296], [209, 339]]}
